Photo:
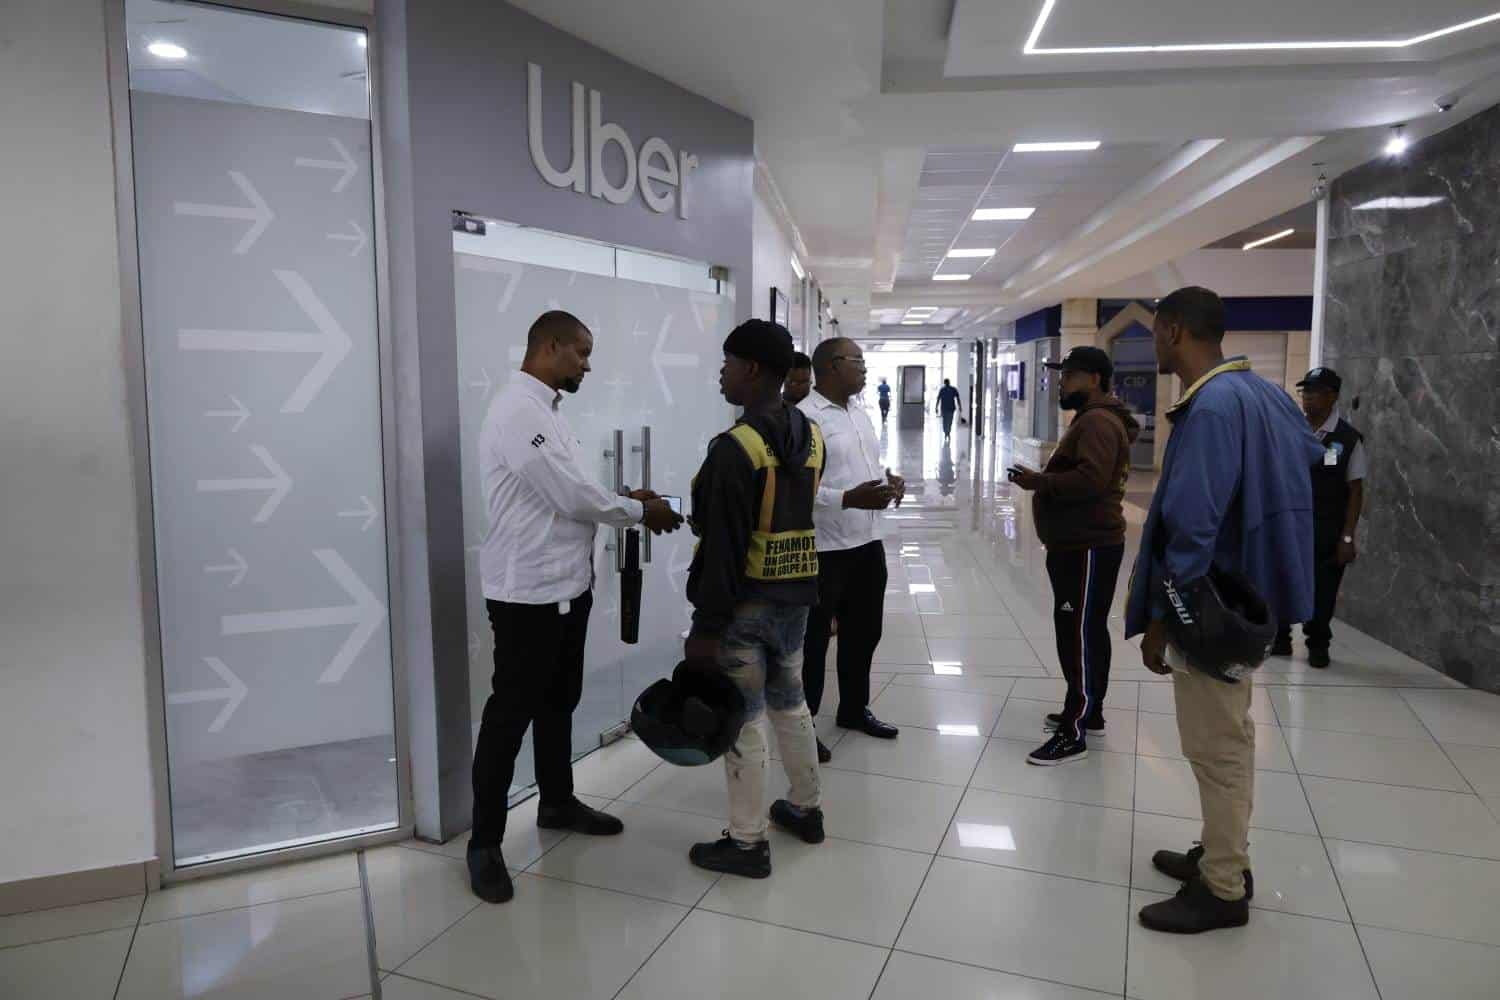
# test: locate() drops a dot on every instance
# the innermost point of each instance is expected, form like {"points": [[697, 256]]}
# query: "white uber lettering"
{"points": [[659, 173]]}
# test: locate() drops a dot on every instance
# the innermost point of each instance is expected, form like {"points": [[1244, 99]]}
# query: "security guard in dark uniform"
{"points": [[1338, 498], [753, 578]]}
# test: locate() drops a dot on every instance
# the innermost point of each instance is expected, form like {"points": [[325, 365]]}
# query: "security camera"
{"points": [[1443, 105], [1320, 187]]}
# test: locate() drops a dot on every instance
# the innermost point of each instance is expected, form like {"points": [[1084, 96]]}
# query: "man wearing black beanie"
{"points": [[753, 577]]}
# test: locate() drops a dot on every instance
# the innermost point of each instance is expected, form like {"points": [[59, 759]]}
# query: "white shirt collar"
{"points": [[822, 402], [1331, 424], [533, 386]]}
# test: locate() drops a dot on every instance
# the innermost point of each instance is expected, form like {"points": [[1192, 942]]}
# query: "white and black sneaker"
{"points": [[1060, 749], [1054, 719]]}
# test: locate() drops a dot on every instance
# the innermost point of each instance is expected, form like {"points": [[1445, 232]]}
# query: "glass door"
{"points": [[652, 402], [251, 147]]}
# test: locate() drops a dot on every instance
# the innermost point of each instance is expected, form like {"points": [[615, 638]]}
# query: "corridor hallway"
{"points": [[952, 869]]}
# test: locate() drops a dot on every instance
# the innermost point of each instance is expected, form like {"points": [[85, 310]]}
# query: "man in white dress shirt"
{"points": [[538, 574], [851, 558]]}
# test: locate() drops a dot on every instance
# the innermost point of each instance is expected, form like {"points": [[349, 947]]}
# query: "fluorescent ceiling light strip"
{"points": [[797, 268], [1268, 239], [1032, 48], [951, 277], [913, 322], [1396, 204], [1081, 146], [921, 310], [997, 214], [973, 252]]}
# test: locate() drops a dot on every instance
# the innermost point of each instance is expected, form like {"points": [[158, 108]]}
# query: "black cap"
{"points": [[1084, 359], [762, 341], [1322, 378]]}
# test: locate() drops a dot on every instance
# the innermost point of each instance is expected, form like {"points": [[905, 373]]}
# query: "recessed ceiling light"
{"points": [[167, 50], [1396, 204], [1081, 146], [1268, 239], [994, 214], [1398, 142], [973, 252], [951, 277], [921, 310], [1032, 49], [913, 322]]}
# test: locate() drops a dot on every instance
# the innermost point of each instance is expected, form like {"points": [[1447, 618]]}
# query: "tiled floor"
{"points": [[953, 869]]}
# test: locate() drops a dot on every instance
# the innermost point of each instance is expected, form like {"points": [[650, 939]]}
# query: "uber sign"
{"points": [[661, 174]]}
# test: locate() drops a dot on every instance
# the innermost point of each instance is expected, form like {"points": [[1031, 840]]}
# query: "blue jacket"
{"points": [[1235, 492]]}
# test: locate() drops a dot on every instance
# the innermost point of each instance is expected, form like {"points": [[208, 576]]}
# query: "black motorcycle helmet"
{"points": [[691, 719], [1220, 623]]}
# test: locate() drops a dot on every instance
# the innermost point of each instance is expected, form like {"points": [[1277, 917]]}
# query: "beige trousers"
{"points": [[1218, 739]]}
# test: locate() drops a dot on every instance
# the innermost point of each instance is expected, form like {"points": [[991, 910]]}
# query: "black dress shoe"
{"points": [[1282, 646], [730, 857], [579, 818], [487, 875], [1184, 867], [870, 726], [1195, 909], [824, 754], [1318, 657], [805, 823]]}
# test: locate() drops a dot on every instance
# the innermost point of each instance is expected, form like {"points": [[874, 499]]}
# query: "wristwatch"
{"points": [[1348, 539]]}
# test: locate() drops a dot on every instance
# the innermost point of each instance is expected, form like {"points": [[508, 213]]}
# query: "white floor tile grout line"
{"points": [[367, 915], [1370, 966]]}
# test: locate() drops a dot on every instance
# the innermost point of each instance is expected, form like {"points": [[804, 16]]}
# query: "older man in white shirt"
{"points": [[851, 557], [537, 565]]}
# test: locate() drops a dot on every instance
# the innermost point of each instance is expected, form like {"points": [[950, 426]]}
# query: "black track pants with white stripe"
{"points": [[1083, 587]]}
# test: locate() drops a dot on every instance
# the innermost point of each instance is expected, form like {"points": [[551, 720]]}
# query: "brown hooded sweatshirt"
{"points": [[1080, 504]]}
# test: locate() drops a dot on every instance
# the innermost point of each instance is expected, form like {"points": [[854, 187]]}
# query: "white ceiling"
{"points": [[886, 125]]}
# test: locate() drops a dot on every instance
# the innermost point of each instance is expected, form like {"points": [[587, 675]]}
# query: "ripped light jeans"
{"points": [[761, 651]]}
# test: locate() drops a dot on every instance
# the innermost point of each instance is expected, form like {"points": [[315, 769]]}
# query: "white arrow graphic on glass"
{"points": [[665, 359], [330, 341], [231, 694], [279, 484], [236, 566], [485, 384], [357, 238], [258, 213], [239, 414], [345, 163], [366, 510], [366, 614]]}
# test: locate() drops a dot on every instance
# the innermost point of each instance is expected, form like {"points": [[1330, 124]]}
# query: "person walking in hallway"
{"points": [[1079, 513], [947, 406], [851, 558], [798, 380], [752, 579], [883, 390], [537, 570], [1234, 496], [1338, 481]]}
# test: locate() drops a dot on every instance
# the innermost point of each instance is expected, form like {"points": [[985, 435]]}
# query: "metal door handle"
{"points": [[645, 450], [616, 454]]}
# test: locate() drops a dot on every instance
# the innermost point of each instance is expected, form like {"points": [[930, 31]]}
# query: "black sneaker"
{"points": [[579, 818], [1184, 867], [487, 875], [824, 754], [729, 856], [1195, 909], [1055, 719], [1060, 749], [1317, 658], [1282, 646], [805, 823]]}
